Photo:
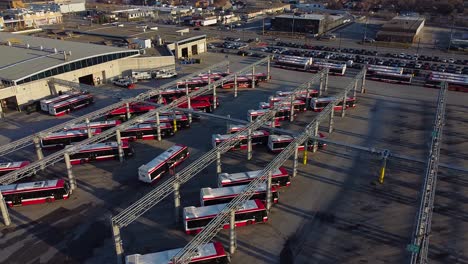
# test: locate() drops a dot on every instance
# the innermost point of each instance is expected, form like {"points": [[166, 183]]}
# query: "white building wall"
{"points": [[72, 7]]}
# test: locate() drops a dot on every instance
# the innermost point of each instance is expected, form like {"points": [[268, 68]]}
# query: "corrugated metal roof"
{"points": [[17, 61]]}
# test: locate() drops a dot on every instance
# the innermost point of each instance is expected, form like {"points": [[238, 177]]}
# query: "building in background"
{"points": [[307, 23], [7, 4], [404, 29], [21, 19]]}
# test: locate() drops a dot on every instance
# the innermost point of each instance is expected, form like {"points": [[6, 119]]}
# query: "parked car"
{"points": [[124, 82]]}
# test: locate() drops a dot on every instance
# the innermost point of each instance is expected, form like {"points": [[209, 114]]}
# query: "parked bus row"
{"points": [[307, 64], [388, 74], [456, 82]]}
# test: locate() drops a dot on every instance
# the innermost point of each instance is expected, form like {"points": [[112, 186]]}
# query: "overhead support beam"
{"points": [[4, 209], [419, 246], [71, 177]]}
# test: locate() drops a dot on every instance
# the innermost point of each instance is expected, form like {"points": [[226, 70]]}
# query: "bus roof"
{"points": [[144, 126], [31, 186], [165, 257], [71, 100], [256, 133], [330, 65], [57, 98], [281, 138], [15, 164], [162, 157], [102, 145], [193, 212], [93, 124], [232, 177], [69, 133], [227, 191]]}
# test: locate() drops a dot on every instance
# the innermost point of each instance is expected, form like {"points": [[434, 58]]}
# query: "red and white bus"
{"points": [[202, 103], [258, 137], [211, 253], [282, 114], [318, 104], [102, 125], [276, 143], [35, 192], [63, 138], [261, 76], [210, 196], [134, 109], [164, 162], [279, 177], [196, 218], [146, 131], [372, 69], [7, 167], [46, 103], [71, 104], [231, 129], [456, 82], [99, 152], [293, 63], [193, 84]]}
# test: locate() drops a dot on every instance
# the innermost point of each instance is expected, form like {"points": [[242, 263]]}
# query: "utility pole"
{"points": [[263, 26], [451, 33]]}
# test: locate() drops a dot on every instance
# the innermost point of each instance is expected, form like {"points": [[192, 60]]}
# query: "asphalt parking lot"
{"points": [[332, 213]]}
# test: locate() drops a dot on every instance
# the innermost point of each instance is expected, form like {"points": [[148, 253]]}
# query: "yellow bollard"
{"points": [[382, 175], [175, 124], [305, 156]]}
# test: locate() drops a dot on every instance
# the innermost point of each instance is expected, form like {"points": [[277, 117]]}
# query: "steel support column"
{"points": [[308, 96], [330, 121], [306, 145], [119, 144], [189, 101], [269, 194], [327, 72], [355, 88], [4, 209], [68, 165], [295, 161], [343, 107], [37, 146], [253, 77], [315, 146], [232, 232], [363, 83], [127, 111], [291, 116], [158, 128], [88, 128], [215, 98], [268, 70], [249, 145], [117, 243], [235, 85], [320, 85], [176, 199], [218, 162]]}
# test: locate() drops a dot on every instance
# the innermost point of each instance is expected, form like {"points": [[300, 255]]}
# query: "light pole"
{"points": [[292, 28], [451, 34], [339, 45], [365, 32]]}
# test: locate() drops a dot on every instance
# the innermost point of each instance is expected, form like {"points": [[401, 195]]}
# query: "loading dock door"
{"points": [[194, 49], [185, 52], [87, 79]]}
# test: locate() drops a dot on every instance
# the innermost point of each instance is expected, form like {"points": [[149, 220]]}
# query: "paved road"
{"points": [[366, 222]]}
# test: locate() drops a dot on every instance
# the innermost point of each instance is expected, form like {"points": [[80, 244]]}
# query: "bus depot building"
{"points": [[28, 63]]}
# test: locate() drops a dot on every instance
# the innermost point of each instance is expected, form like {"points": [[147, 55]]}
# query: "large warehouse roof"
{"points": [[25, 57]]}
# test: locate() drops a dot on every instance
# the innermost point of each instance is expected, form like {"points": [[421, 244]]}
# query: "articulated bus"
{"points": [[46, 103], [280, 177], [35, 192], [390, 77], [102, 125], [276, 143], [146, 131], [7, 167], [282, 114], [211, 253], [63, 138], [210, 196], [71, 104], [318, 104], [164, 162], [99, 152], [293, 63], [196, 218], [258, 137], [456, 82]]}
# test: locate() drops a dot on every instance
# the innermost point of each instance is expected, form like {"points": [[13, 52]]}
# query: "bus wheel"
{"points": [[49, 200], [249, 222], [82, 161]]}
